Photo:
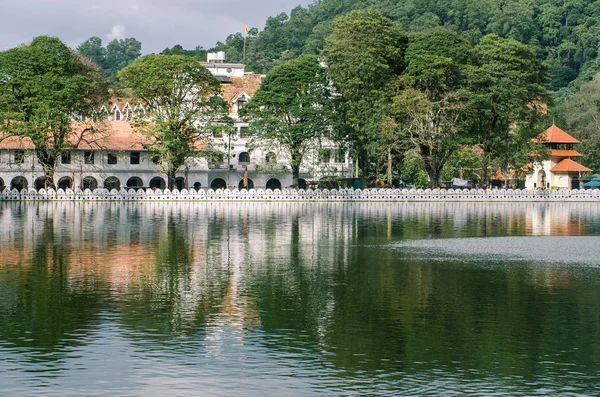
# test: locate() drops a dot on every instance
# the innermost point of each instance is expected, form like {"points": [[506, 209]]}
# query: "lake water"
{"points": [[299, 299]]}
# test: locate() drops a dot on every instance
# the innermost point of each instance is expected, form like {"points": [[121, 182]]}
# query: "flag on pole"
{"points": [[246, 29]]}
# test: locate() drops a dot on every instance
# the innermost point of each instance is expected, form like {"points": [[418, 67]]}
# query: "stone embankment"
{"points": [[358, 195]]}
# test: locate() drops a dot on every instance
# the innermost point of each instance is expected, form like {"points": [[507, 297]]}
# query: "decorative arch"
{"points": [[249, 186], [19, 183], [89, 182], [112, 182], [197, 186], [65, 183], [180, 183], [542, 179], [218, 183], [302, 184], [1, 184], [244, 157], [157, 183], [273, 184], [39, 183], [134, 182]]}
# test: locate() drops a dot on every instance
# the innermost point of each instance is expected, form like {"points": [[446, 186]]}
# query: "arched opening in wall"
{"points": [[134, 182], [271, 158], [244, 158], [249, 186], [273, 184], [302, 183], [64, 183], [18, 183], [157, 183], [1, 184], [180, 182], [89, 182], [197, 186], [39, 183], [218, 183], [112, 182], [542, 179]]}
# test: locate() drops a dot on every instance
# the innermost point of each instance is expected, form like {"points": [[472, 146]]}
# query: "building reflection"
{"points": [[225, 270]]}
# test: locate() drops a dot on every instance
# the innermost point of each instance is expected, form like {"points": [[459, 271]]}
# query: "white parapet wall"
{"points": [[358, 195]]}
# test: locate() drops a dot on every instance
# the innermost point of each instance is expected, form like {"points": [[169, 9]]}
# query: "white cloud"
{"points": [[116, 32]]}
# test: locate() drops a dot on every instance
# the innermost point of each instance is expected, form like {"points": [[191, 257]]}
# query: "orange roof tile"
{"points": [[105, 135], [568, 165], [565, 153], [555, 135], [248, 84]]}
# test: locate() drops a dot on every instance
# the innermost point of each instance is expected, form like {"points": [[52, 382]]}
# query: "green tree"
{"points": [[292, 109], [579, 115], [430, 101], [363, 54], [120, 53], [508, 87], [116, 55], [44, 85], [182, 103], [92, 48], [197, 53]]}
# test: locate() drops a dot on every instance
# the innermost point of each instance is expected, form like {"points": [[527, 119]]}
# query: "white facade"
{"points": [[126, 164]]}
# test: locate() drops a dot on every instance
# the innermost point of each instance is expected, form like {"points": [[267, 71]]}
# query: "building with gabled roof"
{"points": [[560, 171]]}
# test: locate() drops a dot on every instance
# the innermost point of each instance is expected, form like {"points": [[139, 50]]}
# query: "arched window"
{"points": [[273, 184], [112, 182], [218, 183], [18, 183], [64, 183], [157, 183], [134, 182], [244, 157]]}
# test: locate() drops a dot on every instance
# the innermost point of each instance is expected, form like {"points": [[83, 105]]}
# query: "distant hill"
{"points": [[566, 33]]}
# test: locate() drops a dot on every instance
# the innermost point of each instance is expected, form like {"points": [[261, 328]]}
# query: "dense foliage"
{"points": [[292, 109], [116, 55], [565, 34], [43, 86], [182, 103]]}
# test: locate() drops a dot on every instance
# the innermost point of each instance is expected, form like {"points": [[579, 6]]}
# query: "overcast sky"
{"points": [[156, 23]]}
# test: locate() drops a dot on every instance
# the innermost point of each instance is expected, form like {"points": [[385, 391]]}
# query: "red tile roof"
{"points": [[565, 153], [555, 135], [568, 165]]}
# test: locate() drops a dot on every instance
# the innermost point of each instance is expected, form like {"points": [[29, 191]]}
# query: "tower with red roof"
{"points": [[560, 171]]}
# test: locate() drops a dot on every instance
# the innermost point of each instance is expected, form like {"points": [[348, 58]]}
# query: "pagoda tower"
{"points": [[560, 171]]}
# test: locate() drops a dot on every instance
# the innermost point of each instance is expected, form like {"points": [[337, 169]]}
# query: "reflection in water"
{"points": [[296, 298]]}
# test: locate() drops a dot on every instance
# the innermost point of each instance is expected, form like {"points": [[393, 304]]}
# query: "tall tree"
{"points": [[43, 85], [430, 102], [363, 54], [508, 88], [116, 55], [182, 103], [92, 48], [292, 109], [120, 53]]}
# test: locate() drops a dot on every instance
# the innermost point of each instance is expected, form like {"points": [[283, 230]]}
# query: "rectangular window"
{"points": [[340, 156], [112, 158], [243, 132], [19, 156], [134, 158], [65, 158], [88, 157], [156, 159], [324, 155], [218, 134]]}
